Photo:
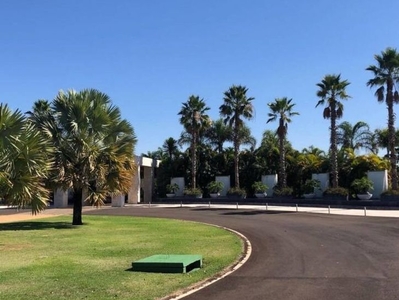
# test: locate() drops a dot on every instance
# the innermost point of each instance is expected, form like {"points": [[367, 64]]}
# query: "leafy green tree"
{"points": [[94, 147], [282, 110], [218, 134], [246, 138], [194, 118], [171, 148], [236, 107], [26, 160], [331, 90], [354, 136], [386, 75]]}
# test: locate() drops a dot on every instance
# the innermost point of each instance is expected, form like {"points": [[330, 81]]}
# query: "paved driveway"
{"points": [[300, 256]]}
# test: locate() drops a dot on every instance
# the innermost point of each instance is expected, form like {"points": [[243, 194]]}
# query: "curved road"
{"points": [[300, 256]]}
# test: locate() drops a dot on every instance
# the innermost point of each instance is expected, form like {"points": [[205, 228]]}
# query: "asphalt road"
{"points": [[300, 256]]}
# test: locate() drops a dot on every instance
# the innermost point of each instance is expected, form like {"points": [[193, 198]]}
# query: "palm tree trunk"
{"points": [[282, 174], [333, 145], [194, 160], [77, 207], [236, 158], [392, 138]]}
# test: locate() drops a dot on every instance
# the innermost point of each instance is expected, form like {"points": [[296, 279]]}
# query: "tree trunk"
{"points": [[333, 145], [392, 137], [194, 160], [282, 174], [77, 207], [236, 156]]}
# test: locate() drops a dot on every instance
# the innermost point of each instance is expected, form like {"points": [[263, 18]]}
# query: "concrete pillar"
{"points": [[226, 184], [134, 191], [380, 182], [324, 179], [148, 184], [118, 201], [85, 195], [60, 198], [180, 182], [270, 181]]}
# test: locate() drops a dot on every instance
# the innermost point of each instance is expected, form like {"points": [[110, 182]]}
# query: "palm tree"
{"points": [[281, 109], [170, 147], [236, 106], [94, 147], [194, 118], [354, 137], [331, 90], [386, 74], [245, 137], [25, 162], [218, 134]]}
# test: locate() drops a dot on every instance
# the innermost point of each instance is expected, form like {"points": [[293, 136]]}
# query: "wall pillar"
{"points": [[324, 179], [134, 191], [148, 184], [60, 198], [271, 181], [118, 200]]}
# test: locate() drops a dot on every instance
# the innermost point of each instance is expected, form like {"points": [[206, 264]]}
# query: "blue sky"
{"points": [[150, 56]]}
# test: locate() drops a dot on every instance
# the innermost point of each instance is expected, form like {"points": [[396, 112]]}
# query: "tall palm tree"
{"points": [[386, 75], [281, 110], [218, 134], [236, 106], [94, 147], [331, 90], [26, 159], [354, 136], [194, 118]]}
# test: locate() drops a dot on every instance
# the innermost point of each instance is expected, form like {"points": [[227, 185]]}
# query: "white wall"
{"points": [[226, 184], [324, 179], [180, 182], [380, 182], [270, 181]]}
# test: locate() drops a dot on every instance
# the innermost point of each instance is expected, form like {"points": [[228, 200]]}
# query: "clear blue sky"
{"points": [[150, 56]]}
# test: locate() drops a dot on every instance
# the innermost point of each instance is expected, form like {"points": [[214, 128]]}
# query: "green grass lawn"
{"points": [[50, 259]]}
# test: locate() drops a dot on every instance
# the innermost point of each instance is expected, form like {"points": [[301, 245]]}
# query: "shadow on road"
{"points": [[256, 212]]}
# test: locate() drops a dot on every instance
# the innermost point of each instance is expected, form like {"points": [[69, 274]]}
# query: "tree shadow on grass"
{"points": [[15, 226]]}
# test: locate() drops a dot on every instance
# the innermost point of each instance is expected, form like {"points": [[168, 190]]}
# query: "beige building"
{"points": [[141, 190]]}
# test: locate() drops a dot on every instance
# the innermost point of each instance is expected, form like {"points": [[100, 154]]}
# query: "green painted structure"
{"points": [[164, 263]]}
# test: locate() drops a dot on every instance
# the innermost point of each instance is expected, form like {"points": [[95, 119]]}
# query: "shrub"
{"points": [[310, 185], [215, 187], [338, 191], [390, 192], [172, 188], [259, 187], [236, 192], [278, 191], [192, 192], [362, 185]]}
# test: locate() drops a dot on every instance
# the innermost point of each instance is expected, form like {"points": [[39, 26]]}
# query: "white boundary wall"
{"points": [[270, 181], [226, 184]]}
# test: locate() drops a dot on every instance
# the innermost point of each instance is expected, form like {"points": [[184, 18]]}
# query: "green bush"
{"points": [[192, 192], [215, 186], [338, 191], [236, 192], [278, 191], [362, 185], [259, 187], [310, 185], [390, 192], [172, 188]]}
